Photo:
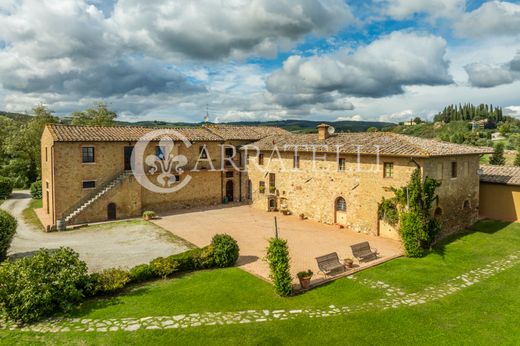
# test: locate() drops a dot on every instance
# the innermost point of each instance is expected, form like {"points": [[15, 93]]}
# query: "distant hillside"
{"points": [[299, 126], [16, 116]]}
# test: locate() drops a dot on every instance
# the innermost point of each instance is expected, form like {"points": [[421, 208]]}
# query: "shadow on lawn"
{"points": [[485, 226]]}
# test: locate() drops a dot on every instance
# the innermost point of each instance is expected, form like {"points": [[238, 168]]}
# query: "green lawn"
{"points": [[485, 313], [30, 216]]}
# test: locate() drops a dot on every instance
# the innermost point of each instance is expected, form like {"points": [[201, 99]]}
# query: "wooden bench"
{"points": [[329, 263], [363, 252]]}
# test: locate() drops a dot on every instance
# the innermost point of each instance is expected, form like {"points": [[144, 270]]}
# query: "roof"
{"points": [[81, 133], [249, 133], [390, 144], [500, 174]]}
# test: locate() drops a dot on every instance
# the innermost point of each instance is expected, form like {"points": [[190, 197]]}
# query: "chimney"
{"points": [[323, 131]]}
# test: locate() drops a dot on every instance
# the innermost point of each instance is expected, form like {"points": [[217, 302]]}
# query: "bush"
{"points": [[225, 250], [7, 231], [278, 259], [205, 258], [6, 187], [140, 273], [412, 233], [36, 190], [50, 281], [163, 267], [148, 214], [109, 280], [186, 260]]}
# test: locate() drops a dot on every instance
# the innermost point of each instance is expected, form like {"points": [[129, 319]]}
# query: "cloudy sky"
{"points": [[259, 59]]}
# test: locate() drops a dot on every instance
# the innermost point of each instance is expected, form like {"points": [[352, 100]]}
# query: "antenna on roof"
{"points": [[206, 117]]}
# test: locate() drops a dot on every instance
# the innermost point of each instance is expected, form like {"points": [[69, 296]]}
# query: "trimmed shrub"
{"points": [[163, 267], [278, 259], [36, 190], [7, 231], [225, 250], [185, 260], [109, 280], [6, 187], [140, 273], [51, 281], [205, 258], [412, 233]]}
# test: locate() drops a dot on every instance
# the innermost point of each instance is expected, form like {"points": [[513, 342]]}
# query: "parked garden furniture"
{"points": [[363, 252], [330, 263]]}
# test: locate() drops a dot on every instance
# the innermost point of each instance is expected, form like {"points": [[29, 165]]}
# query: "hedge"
{"points": [[33, 287], [7, 231], [6, 187], [278, 259], [36, 190]]}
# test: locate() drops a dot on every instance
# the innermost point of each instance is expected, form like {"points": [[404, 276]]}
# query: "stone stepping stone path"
{"points": [[395, 298]]}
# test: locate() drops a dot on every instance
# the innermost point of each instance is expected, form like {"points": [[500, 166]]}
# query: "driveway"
{"points": [[252, 228], [117, 244]]}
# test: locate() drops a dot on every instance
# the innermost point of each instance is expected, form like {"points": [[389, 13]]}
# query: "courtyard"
{"points": [[252, 229], [117, 244]]}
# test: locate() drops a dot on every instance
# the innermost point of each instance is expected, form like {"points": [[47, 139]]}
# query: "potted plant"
{"points": [[349, 262], [262, 189], [148, 215], [305, 278], [272, 189], [302, 216]]}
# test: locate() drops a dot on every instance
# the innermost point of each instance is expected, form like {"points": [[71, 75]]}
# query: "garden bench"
{"points": [[329, 263], [363, 252]]}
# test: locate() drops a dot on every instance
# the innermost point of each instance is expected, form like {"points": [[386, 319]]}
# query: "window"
{"points": [[229, 174], [296, 162], [203, 152], [261, 187], [272, 182], [87, 154], [341, 205], [229, 152], [466, 205], [260, 159], [89, 184], [47, 184], [388, 170], [341, 165], [454, 169], [46, 155]]}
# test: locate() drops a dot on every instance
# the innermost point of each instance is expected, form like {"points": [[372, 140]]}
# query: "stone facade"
{"points": [[314, 190], [319, 188]]}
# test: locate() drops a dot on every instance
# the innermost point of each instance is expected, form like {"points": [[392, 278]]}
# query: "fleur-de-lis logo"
{"points": [[164, 161]]}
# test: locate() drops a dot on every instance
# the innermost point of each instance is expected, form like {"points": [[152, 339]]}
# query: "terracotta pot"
{"points": [[147, 218], [305, 282], [349, 263]]}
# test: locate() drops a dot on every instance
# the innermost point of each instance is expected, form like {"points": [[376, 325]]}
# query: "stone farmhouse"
{"points": [[331, 178]]}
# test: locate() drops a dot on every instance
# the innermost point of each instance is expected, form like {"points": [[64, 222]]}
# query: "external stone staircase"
{"points": [[88, 200]]}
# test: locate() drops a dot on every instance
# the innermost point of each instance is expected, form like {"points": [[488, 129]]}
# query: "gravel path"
{"points": [[118, 244]]}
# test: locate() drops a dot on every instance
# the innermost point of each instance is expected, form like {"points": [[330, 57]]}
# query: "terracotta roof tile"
{"points": [[390, 144], [500, 174], [245, 133]]}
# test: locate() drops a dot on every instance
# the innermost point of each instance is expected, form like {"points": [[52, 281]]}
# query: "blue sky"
{"points": [[386, 60]]}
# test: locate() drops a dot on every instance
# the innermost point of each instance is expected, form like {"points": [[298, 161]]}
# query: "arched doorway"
{"points": [[249, 190], [340, 210], [111, 211], [229, 190]]}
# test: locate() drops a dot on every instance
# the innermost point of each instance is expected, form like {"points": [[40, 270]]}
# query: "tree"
{"points": [[372, 129], [24, 149], [99, 115], [498, 155]]}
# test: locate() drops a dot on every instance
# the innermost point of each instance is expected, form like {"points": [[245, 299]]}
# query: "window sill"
{"points": [[88, 163]]}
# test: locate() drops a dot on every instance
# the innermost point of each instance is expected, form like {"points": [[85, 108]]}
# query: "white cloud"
{"points": [[490, 75], [355, 117], [382, 68], [512, 111], [209, 29], [492, 19], [402, 9]]}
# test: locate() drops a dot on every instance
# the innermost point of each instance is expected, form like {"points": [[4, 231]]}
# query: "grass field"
{"points": [[30, 216], [487, 312]]}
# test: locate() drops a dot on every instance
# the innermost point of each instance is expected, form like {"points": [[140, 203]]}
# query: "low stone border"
{"points": [[395, 298]]}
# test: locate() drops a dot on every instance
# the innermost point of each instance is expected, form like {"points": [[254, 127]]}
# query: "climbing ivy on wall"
{"points": [[412, 205]]}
